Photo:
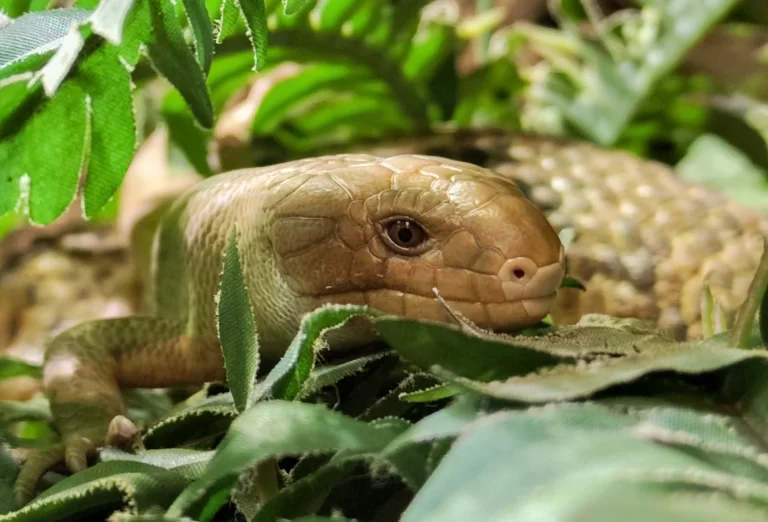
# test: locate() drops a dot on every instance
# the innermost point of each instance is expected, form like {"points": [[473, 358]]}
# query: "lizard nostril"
{"points": [[517, 271]]}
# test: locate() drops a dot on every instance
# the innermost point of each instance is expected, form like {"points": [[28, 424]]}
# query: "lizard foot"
{"points": [[73, 453]]}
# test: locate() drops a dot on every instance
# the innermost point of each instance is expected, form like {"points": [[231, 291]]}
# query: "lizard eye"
{"points": [[404, 236]]}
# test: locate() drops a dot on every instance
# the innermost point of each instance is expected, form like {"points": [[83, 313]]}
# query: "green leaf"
{"points": [[112, 126], [567, 382], [44, 166], [255, 18], [36, 33], [713, 162], [12, 367], [526, 465], [105, 487], [8, 471], [185, 133], [271, 429], [290, 91], [173, 58], [189, 463], [570, 282], [307, 494], [202, 28], [237, 328], [288, 376], [600, 88], [16, 411], [292, 7], [330, 374], [483, 358]]}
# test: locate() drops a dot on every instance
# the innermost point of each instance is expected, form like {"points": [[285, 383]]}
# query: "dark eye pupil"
{"points": [[405, 235]]}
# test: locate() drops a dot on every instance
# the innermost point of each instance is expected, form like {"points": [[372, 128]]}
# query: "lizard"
{"points": [[645, 245], [347, 228]]}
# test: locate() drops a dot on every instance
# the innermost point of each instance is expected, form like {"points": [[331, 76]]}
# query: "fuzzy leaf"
{"points": [[288, 376], [270, 429], [568, 382], [8, 471], [112, 126], [292, 7], [255, 18], [307, 494], [104, 487], [237, 328], [173, 58], [428, 344], [36, 33], [329, 375], [202, 28], [520, 466], [47, 164]]}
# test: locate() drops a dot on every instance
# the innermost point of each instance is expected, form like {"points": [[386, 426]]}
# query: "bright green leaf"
{"points": [[292, 7], [255, 18], [113, 129], [12, 367]]}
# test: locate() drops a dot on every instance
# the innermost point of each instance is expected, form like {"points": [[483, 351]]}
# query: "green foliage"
{"points": [[237, 328], [599, 88], [606, 420], [632, 414]]}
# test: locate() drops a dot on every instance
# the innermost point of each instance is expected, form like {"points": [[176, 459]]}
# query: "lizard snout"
{"points": [[535, 286]]}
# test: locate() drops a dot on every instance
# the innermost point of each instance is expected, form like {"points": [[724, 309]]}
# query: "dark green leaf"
{"points": [[287, 378], [570, 282], [105, 487], [202, 28], [46, 164], [173, 58], [432, 344], [237, 328], [277, 428]]}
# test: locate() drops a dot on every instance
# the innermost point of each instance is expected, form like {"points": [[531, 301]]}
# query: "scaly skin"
{"points": [[646, 242], [310, 232]]}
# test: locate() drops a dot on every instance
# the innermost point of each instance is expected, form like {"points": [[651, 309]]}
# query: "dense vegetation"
{"points": [[603, 420]]}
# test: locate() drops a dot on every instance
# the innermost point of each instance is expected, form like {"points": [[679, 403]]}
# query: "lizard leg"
{"points": [[85, 368]]}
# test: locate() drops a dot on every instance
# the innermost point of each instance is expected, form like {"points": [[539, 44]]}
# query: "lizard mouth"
{"points": [[527, 294]]}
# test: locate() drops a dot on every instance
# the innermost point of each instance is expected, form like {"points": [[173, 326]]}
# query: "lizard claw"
{"points": [[36, 465], [123, 434], [73, 452]]}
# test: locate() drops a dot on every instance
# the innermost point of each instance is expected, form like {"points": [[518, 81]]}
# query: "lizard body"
{"points": [[353, 228]]}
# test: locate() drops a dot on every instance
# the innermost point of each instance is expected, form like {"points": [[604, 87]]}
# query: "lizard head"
{"points": [[388, 232]]}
